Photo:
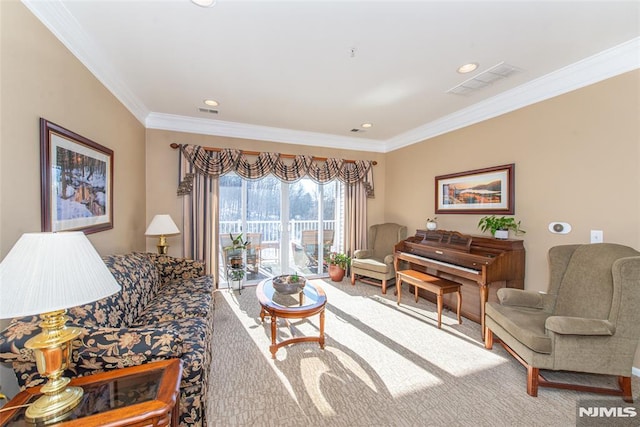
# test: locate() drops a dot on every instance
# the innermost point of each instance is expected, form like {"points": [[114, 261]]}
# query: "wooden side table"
{"points": [[145, 395]]}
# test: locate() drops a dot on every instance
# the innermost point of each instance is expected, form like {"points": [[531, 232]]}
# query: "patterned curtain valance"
{"points": [[219, 162]]}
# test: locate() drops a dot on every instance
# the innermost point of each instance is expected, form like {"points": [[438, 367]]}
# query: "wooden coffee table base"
{"points": [[274, 331], [311, 301]]}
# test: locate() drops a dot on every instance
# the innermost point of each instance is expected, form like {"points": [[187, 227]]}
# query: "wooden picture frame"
{"points": [[76, 181], [481, 191]]}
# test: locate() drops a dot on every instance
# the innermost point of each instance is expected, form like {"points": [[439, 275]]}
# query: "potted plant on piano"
{"points": [[338, 263], [500, 226]]}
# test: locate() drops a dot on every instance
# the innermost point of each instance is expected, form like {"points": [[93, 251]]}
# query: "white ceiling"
{"points": [[284, 70]]}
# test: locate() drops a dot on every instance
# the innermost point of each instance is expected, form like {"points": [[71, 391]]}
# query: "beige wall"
{"points": [[577, 160], [162, 172], [39, 77]]}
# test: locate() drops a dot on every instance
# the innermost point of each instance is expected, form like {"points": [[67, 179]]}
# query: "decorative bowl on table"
{"points": [[289, 284]]}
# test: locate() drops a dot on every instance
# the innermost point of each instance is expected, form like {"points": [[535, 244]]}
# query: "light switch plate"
{"points": [[597, 236]]}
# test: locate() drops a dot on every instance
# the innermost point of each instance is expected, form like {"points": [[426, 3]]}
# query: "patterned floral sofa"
{"points": [[164, 310]]}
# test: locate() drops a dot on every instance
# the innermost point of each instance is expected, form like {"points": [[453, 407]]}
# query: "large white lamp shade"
{"points": [[45, 272]]}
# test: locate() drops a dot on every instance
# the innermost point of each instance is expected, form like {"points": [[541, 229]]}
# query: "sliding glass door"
{"points": [[290, 227]]}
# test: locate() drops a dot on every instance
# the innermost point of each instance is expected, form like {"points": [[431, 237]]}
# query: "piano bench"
{"points": [[431, 284]]}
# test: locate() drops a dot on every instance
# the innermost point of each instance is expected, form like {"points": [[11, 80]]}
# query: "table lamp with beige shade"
{"points": [[162, 226], [46, 273]]}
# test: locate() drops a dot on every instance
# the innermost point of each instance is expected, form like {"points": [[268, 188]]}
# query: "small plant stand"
{"points": [[236, 273], [235, 269]]}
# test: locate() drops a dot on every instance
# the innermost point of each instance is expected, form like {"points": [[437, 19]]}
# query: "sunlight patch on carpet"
{"points": [[371, 341], [312, 370], [408, 334]]}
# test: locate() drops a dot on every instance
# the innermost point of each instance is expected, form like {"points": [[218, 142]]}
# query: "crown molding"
{"points": [[262, 133], [601, 66], [57, 18], [609, 63]]}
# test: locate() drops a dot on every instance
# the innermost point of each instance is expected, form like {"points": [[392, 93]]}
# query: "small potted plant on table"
{"points": [[289, 283], [500, 226], [338, 263]]}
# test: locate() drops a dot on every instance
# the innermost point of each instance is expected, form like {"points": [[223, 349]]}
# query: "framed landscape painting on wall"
{"points": [[481, 191], [77, 181]]}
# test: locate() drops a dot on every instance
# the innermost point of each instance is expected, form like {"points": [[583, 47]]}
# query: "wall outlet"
{"points": [[597, 236]]}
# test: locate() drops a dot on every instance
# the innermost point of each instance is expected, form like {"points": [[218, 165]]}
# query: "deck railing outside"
{"points": [[271, 230]]}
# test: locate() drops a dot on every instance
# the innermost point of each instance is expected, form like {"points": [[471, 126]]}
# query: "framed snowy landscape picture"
{"points": [[77, 181]]}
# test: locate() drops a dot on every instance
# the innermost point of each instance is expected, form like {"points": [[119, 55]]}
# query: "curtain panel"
{"points": [[199, 215]]}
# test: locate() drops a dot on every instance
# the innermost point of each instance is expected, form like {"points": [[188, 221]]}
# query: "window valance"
{"points": [[287, 168]]}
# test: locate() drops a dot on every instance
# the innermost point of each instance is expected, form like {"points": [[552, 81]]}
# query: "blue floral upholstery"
{"points": [[164, 310]]}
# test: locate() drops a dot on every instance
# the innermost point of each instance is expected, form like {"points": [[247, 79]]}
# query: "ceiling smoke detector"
{"points": [[485, 78]]}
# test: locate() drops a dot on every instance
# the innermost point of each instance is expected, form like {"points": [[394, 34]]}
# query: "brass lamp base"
{"points": [[54, 408], [162, 245], [52, 351]]}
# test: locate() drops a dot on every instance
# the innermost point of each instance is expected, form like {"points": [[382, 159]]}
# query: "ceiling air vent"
{"points": [[207, 110], [497, 72]]}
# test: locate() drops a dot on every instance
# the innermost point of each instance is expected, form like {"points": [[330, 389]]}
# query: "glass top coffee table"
{"points": [[311, 301]]}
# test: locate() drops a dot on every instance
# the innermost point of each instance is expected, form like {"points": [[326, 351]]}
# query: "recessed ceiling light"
{"points": [[204, 3], [211, 102], [467, 68], [366, 125]]}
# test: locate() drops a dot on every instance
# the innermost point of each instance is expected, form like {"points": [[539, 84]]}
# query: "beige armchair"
{"points": [[588, 321], [376, 262]]}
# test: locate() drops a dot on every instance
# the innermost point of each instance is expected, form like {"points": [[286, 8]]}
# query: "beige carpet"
{"points": [[382, 365]]}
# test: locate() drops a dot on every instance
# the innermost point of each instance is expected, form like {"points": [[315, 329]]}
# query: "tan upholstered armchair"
{"points": [[588, 321], [376, 262]]}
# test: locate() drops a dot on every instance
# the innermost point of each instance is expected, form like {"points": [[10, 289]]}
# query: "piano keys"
{"points": [[482, 265]]}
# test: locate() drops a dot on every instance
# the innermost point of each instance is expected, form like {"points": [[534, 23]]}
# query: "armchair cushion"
{"points": [[579, 326], [525, 325], [521, 298], [362, 253], [371, 264]]}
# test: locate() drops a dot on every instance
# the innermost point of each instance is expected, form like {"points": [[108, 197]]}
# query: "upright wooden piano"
{"points": [[481, 264]]}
